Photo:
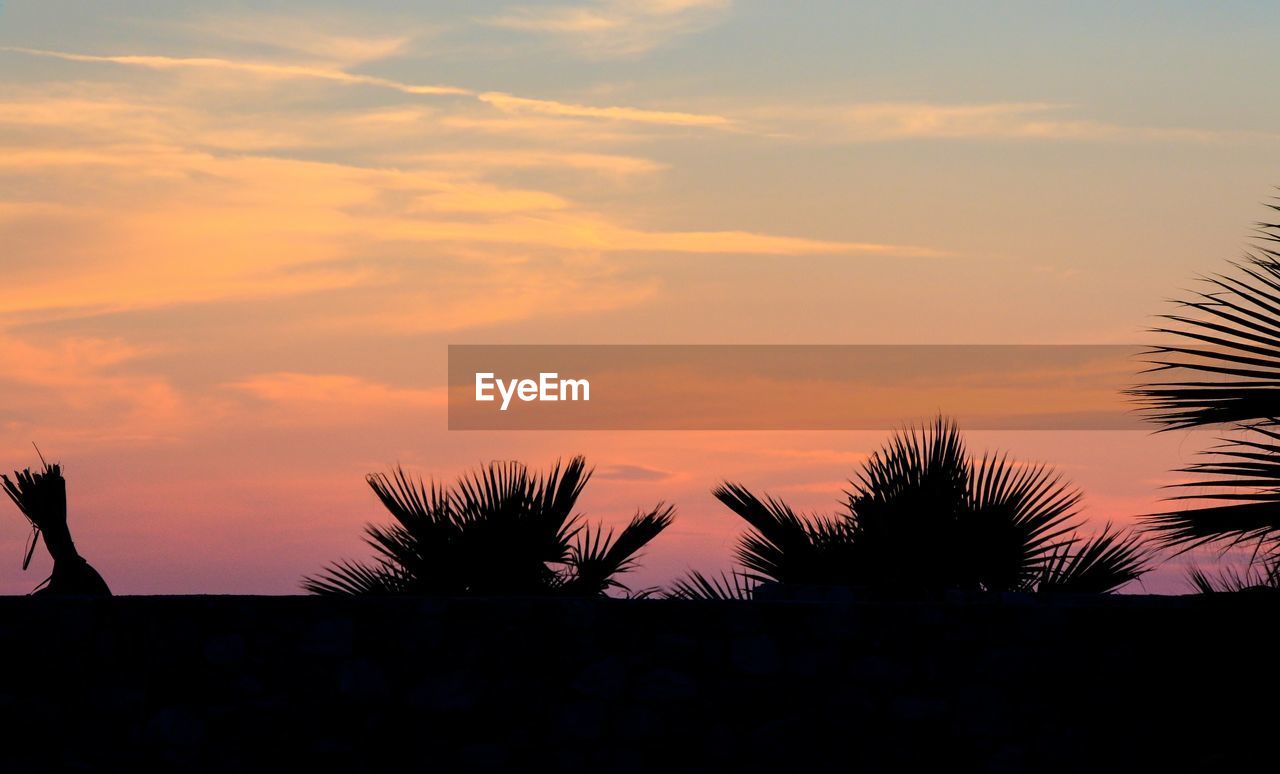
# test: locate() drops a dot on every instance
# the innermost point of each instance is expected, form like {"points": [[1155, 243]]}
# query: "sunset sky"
{"points": [[237, 238]]}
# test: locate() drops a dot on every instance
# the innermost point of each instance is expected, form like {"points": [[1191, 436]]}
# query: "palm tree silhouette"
{"points": [[497, 530], [1225, 371], [922, 515]]}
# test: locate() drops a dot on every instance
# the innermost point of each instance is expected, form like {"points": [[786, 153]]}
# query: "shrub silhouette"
{"points": [[1224, 370], [42, 498], [922, 515], [497, 530]]}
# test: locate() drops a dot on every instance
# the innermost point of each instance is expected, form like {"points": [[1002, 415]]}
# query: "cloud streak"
{"points": [[900, 121], [614, 28], [608, 164], [327, 392], [855, 123], [328, 38], [501, 101], [190, 226], [268, 69], [513, 104]]}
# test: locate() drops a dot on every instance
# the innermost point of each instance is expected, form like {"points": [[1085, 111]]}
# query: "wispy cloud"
{"points": [[251, 226], [893, 121], [612, 28], [853, 123], [337, 39], [624, 472], [609, 164], [78, 388], [268, 69], [499, 100], [331, 391], [513, 104]]}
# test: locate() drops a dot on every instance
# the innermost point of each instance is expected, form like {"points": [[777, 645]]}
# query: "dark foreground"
{"points": [[978, 684]]}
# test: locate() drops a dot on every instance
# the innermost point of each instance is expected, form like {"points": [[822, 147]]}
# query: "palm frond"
{"points": [[726, 586], [536, 511], [347, 577], [929, 460], [499, 529], [410, 502], [1231, 580], [1098, 565], [924, 515], [597, 557], [904, 506], [1243, 476], [782, 545], [1225, 367], [1017, 516]]}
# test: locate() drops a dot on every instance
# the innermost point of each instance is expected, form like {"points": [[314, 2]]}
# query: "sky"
{"points": [[237, 238]]}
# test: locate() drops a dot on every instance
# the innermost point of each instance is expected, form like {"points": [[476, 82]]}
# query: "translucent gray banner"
{"points": [[791, 387]]}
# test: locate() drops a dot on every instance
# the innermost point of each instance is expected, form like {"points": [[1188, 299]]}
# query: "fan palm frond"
{"points": [[923, 515], [1256, 576], [726, 586], [1243, 476], [1016, 518], [1226, 367], [410, 502], [348, 577], [1098, 565], [598, 557], [499, 529], [904, 505], [514, 525], [782, 545], [918, 462]]}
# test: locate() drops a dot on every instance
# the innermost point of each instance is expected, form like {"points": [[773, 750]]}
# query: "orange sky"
{"points": [[237, 242]]}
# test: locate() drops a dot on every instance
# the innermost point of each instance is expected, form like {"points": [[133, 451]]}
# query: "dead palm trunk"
{"points": [[42, 498]]}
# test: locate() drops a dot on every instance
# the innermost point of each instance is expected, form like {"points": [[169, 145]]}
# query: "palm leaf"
{"points": [[597, 557], [919, 460], [923, 515], [1101, 564], [1231, 580], [727, 586], [782, 545], [353, 578], [1226, 367], [904, 509], [1016, 519], [499, 529], [1243, 478]]}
